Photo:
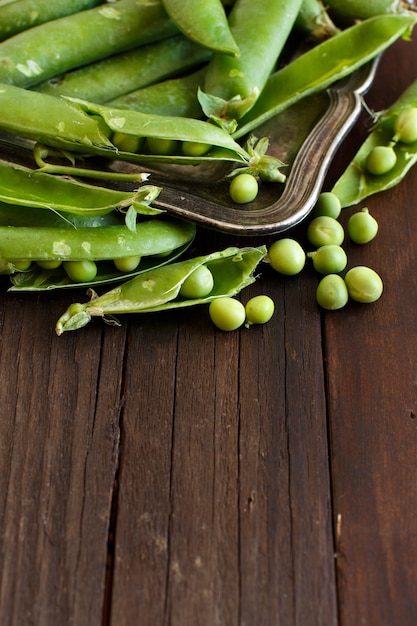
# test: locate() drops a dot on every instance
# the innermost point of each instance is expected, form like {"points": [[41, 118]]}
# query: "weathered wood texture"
{"points": [[165, 473]]}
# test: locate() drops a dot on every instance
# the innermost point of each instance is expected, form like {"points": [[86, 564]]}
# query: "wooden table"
{"points": [[167, 473]]}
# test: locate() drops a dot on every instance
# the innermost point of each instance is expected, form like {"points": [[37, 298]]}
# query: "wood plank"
{"points": [[227, 467], [371, 357], [59, 438]]}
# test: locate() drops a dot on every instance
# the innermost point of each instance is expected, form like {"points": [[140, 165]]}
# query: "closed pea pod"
{"points": [[260, 29], [357, 9], [175, 97], [153, 236], [16, 17], [203, 22], [122, 73], [45, 51], [158, 290]]}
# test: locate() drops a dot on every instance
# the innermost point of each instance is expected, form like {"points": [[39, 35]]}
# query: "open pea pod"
{"points": [[22, 186], [323, 65], [159, 289], [77, 126], [37, 278], [169, 241], [356, 183]]}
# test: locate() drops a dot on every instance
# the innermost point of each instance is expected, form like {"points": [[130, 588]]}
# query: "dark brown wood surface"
{"points": [[164, 473]]}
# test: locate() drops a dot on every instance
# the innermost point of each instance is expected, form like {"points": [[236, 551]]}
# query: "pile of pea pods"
{"points": [[159, 84]]}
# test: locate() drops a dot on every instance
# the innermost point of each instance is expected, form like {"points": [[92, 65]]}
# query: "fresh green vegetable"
{"points": [[360, 10], [158, 290], [83, 127], [362, 227], [81, 271], [204, 22], [198, 284], [152, 236], [364, 284], [22, 186], [175, 97], [47, 50], [125, 72], [405, 126], [16, 17], [332, 292], [259, 310], [327, 204], [286, 256], [329, 61], [329, 259], [357, 183], [227, 313], [325, 230], [314, 20], [380, 160], [243, 188], [232, 84]]}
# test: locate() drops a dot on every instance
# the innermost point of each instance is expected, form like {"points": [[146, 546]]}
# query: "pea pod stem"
{"points": [[323, 65], [27, 58], [157, 290]]}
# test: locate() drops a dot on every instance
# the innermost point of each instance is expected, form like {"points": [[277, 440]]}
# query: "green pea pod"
{"points": [[356, 183], [38, 279], [124, 72], [232, 84], [314, 20], [154, 236], [58, 46], [22, 186], [205, 23], [79, 126], [323, 65], [158, 290], [176, 97], [360, 10], [16, 17]]}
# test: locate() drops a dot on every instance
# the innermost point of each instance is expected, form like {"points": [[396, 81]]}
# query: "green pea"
{"points": [[332, 292], [327, 204], [405, 126], [127, 264], [21, 265], [330, 259], [49, 264], [325, 230], [380, 160], [157, 145], [243, 188], [195, 148], [198, 284], [127, 143], [362, 227], [80, 271], [364, 284], [227, 313], [259, 310], [286, 256]]}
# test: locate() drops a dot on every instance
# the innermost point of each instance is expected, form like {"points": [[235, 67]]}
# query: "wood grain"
{"points": [[165, 473]]}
